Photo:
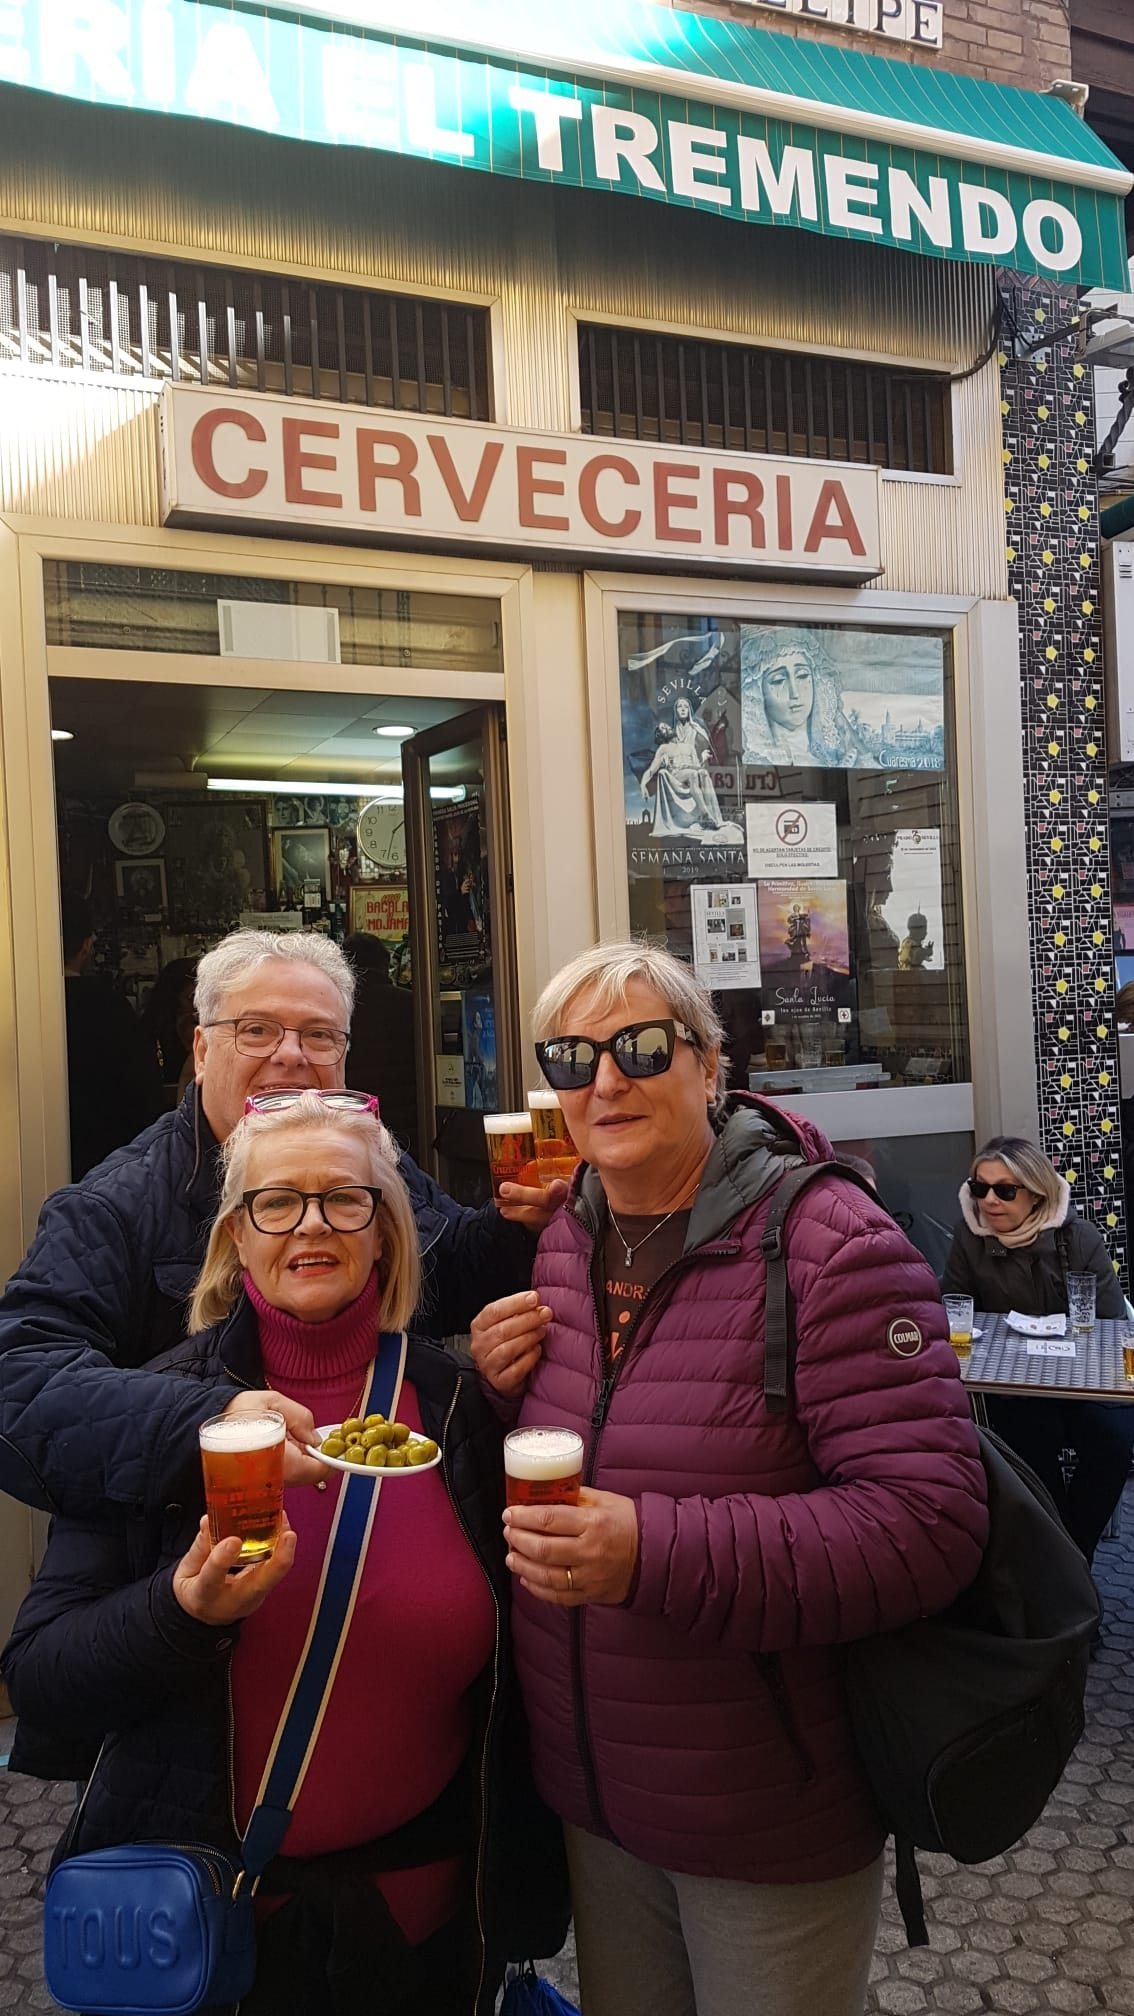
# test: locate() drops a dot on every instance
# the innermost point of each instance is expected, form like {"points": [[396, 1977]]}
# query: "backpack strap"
{"points": [[907, 1889], [779, 1313]]}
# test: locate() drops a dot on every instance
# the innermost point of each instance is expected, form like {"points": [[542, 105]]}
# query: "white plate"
{"points": [[378, 1470]]}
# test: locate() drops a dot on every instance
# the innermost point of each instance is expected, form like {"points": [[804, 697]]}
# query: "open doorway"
{"points": [[186, 810]]}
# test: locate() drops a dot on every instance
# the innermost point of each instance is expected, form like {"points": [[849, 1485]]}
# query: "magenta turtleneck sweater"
{"points": [[399, 1720]]}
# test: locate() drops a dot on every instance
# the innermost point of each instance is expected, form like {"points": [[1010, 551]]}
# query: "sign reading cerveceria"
{"points": [[397, 479], [765, 156]]}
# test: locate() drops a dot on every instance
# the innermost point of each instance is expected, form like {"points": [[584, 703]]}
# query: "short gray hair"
{"points": [[242, 952], [607, 972]]}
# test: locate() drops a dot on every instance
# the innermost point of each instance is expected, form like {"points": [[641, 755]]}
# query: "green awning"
{"points": [[634, 98]]}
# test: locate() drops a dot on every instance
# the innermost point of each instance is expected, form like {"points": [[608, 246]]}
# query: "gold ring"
{"points": [[570, 1583]]}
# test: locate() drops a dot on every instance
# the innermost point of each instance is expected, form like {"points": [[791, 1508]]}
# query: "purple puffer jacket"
{"points": [[702, 1724]]}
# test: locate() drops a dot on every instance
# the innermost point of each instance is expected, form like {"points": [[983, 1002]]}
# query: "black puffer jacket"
{"points": [[1032, 1279], [103, 1652], [108, 1277]]}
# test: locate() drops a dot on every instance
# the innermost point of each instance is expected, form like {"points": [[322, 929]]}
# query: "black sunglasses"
{"points": [[1007, 1192], [641, 1050]]}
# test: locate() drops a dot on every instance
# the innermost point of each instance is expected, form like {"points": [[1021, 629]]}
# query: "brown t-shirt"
{"points": [[621, 1287]]}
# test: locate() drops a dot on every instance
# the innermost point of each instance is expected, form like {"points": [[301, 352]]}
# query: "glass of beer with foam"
{"points": [[242, 1457], [543, 1466], [511, 1150], [556, 1154]]}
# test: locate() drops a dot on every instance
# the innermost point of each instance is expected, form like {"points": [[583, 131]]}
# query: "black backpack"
{"points": [[965, 1721]]}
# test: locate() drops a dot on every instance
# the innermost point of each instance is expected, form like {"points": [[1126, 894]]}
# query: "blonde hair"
{"points": [[1026, 1164], [607, 972], [221, 1278], [1124, 1004]]}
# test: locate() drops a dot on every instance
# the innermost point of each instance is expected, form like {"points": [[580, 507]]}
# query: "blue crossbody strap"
{"points": [[302, 1716]]}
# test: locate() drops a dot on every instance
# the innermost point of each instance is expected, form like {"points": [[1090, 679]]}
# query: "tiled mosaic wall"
{"points": [[1051, 511]]}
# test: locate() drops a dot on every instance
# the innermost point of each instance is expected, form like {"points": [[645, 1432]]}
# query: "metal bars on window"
{"points": [[644, 386], [77, 308]]}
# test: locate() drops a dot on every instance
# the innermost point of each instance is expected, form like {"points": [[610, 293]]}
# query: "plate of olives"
{"points": [[371, 1446]]}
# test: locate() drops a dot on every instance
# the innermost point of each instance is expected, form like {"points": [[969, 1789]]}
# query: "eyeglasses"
{"points": [[277, 1209], [641, 1050], [261, 1036], [1007, 1192], [338, 1099]]}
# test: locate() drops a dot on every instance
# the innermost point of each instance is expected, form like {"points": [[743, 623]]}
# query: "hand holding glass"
{"points": [[510, 1143], [242, 1458]]}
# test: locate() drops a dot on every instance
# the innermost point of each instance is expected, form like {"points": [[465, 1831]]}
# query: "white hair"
{"points": [[242, 952], [607, 972]]}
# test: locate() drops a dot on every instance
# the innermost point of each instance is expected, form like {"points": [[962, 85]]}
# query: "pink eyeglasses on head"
{"points": [[339, 1100]]}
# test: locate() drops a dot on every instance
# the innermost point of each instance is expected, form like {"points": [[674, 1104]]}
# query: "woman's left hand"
{"points": [[571, 1554]]}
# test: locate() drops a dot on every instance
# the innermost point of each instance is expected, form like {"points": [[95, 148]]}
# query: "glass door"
{"points": [[462, 941]]}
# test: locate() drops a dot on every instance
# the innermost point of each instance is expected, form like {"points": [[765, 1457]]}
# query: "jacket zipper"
{"points": [[769, 1665], [599, 1412]]}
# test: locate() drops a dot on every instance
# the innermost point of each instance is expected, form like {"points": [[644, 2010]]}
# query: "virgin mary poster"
{"points": [[681, 772], [829, 697]]}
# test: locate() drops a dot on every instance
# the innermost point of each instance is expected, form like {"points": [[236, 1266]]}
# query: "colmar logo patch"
{"points": [[904, 1337]]}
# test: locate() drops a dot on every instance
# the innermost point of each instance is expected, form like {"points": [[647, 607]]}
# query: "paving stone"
{"points": [[900, 1998], [1013, 1997], [1071, 1998], [955, 1998], [1024, 1966]]}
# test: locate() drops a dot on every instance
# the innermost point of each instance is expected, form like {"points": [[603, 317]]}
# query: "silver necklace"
{"points": [[631, 1250]]}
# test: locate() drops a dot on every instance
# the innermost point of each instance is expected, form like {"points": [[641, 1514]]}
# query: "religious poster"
{"points": [[913, 908], [681, 748], [462, 882], [794, 841], [831, 697], [805, 951], [726, 945], [478, 1026]]}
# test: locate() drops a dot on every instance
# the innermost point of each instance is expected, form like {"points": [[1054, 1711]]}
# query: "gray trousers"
{"points": [[652, 1943]]}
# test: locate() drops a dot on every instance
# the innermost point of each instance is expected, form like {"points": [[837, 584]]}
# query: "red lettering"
{"points": [[833, 518], [400, 470], [468, 507], [297, 459], [201, 449], [667, 500], [611, 528], [529, 486], [737, 495], [784, 538]]}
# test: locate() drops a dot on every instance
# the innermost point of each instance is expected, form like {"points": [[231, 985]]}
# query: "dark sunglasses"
{"points": [[1007, 1192], [641, 1050]]}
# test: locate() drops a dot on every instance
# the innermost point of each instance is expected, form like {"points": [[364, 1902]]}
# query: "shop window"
{"points": [[170, 609], [78, 308], [644, 386], [792, 832]]}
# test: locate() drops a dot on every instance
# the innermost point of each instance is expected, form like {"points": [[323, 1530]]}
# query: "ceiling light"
{"points": [[62, 735], [303, 787], [396, 734]]}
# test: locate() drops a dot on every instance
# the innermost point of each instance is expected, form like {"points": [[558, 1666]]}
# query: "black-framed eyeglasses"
{"points": [[1007, 1192], [261, 1036], [276, 1208], [641, 1050]]}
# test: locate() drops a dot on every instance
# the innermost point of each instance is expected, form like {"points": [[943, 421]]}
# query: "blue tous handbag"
{"points": [[528, 1994], [159, 1928]]}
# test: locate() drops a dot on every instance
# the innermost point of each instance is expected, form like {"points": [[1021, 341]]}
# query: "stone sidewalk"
{"points": [[1049, 1927]]}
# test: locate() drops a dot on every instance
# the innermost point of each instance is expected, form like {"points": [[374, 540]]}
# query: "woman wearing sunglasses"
{"points": [[392, 1891], [1019, 1238], [677, 1630]]}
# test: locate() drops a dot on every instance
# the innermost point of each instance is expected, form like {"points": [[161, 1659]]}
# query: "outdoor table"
{"points": [[1000, 1362]]}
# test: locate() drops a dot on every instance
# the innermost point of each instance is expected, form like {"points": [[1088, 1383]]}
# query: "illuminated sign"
{"points": [[401, 479]]}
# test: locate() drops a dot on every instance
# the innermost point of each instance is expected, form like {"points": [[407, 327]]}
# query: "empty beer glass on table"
{"points": [[557, 1157], [511, 1150], [959, 1310], [543, 1466], [1081, 1290], [242, 1457]]}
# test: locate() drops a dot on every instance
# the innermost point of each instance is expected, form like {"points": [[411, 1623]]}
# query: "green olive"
{"points": [[416, 1454], [371, 1437], [375, 1421], [352, 1427], [427, 1449], [334, 1446], [355, 1453], [354, 1439], [376, 1456], [399, 1433], [395, 1459]]}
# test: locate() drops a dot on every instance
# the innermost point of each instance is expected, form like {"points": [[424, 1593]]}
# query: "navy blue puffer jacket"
{"points": [[105, 1286]]}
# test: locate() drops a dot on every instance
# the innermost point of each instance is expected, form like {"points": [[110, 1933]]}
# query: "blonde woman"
{"points": [[1019, 1238], [136, 1634]]}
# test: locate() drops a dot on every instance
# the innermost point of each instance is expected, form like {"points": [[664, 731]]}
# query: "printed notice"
{"points": [[726, 946], [786, 841]]}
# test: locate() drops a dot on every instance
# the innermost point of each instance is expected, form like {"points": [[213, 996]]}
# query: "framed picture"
{"points": [[301, 866], [383, 911], [141, 886], [218, 866]]}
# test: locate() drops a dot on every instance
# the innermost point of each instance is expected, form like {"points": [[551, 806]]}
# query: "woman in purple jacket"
{"points": [[678, 1631]]}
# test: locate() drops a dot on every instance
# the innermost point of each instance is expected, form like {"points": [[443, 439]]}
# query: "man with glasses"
{"points": [[105, 1285]]}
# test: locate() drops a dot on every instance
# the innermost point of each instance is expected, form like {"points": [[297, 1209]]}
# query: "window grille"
{"points": [[78, 308], [644, 386]]}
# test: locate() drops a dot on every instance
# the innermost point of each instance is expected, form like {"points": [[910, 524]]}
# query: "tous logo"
{"points": [[127, 1936]]}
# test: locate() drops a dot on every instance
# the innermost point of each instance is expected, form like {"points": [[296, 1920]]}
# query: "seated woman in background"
{"points": [[1019, 1238], [136, 1634]]}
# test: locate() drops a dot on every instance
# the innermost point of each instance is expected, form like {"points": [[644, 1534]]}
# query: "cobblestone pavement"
{"points": [[1048, 1928]]}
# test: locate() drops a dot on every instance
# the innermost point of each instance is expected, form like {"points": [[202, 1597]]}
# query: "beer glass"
{"points": [[543, 1466], [242, 1457], [1128, 1356], [556, 1154], [959, 1310], [1081, 1289], [511, 1150]]}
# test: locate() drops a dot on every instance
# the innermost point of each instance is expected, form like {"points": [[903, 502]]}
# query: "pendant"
{"points": [[629, 1256]]}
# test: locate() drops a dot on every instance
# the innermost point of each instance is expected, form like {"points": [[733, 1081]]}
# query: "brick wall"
{"points": [[1026, 42]]}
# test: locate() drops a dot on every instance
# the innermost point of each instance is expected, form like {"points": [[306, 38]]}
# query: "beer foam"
{"points": [[508, 1123], [234, 1433], [543, 1453], [544, 1099]]}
